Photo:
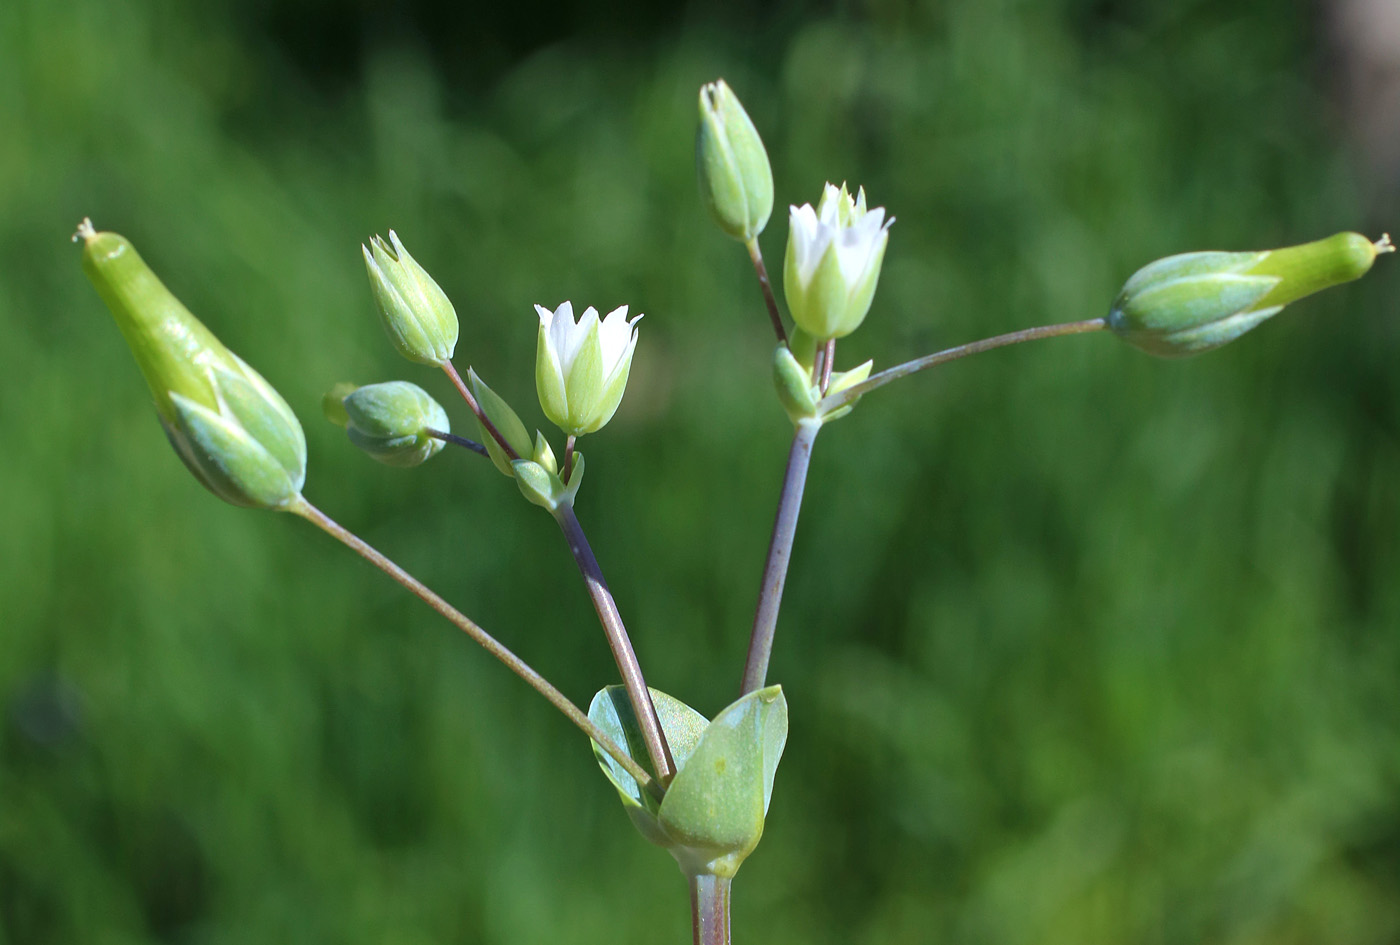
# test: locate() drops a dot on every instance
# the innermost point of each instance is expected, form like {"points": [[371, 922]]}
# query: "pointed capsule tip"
{"points": [[1384, 245], [86, 232]]}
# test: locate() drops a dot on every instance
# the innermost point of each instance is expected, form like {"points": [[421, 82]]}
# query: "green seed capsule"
{"points": [[234, 432], [1191, 303], [390, 422]]}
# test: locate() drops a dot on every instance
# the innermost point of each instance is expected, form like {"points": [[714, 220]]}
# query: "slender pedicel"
{"points": [[514, 663], [850, 394]]}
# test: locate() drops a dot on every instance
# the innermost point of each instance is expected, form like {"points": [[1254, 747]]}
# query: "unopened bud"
{"points": [[390, 422], [736, 181], [417, 315]]}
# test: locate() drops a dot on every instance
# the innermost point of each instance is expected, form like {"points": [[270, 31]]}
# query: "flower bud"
{"points": [[390, 422], [234, 432], [1187, 304], [581, 368], [421, 322], [506, 422], [834, 254], [538, 478], [802, 399], [736, 182]]}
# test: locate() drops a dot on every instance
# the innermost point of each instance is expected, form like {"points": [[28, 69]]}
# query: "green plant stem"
{"points": [[637, 693], [756, 256], [456, 440], [514, 663], [850, 394], [770, 595], [709, 909], [485, 421]]}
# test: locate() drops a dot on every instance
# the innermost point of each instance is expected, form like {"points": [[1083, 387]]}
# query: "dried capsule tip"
{"points": [[1384, 245], [86, 231]]}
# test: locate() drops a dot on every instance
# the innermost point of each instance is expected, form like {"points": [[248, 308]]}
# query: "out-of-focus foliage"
{"points": [[1080, 646]]}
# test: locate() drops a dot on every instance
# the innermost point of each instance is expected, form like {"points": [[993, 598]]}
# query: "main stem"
{"points": [[770, 596], [850, 394], [514, 663], [627, 664], [709, 909]]}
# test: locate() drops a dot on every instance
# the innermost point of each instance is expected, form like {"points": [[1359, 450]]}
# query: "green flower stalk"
{"points": [[1186, 304], [581, 367], [416, 314], [736, 181], [391, 421], [234, 432], [834, 254]]}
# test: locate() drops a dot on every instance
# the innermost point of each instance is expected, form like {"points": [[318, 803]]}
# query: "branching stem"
{"points": [[637, 693], [514, 663], [849, 395], [456, 440]]}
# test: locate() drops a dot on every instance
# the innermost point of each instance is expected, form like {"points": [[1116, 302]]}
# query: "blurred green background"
{"points": [[1080, 646]]}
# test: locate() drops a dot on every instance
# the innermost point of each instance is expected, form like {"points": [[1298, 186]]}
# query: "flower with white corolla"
{"points": [[581, 366], [833, 262]]}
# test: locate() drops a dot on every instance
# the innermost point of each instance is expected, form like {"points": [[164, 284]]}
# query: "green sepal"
{"points": [[225, 459], [505, 420], [712, 815], [584, 385], [549, 382]]}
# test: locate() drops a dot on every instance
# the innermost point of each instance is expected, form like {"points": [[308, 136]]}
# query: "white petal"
{"points": [[614, 334], [546, 317], [810, 238]]}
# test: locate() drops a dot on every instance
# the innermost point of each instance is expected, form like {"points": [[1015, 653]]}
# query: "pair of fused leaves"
{"points": [[712, 815]]}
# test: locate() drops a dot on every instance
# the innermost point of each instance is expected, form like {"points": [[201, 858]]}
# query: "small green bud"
{"points": [[736, 181], [581, 367], [1186, 304], [418, 317], [542, 485], [234, 432], [505, 420], [801, 398], [834, 255], [390, 422]]}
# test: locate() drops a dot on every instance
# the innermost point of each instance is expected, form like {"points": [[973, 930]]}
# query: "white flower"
{"points": [[833, 262], [581, 367]]}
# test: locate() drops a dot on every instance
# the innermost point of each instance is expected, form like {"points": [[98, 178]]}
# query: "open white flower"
{"points": [[581, 367], [833, 262]]}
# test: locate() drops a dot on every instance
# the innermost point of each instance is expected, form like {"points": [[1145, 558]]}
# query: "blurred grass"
{"points": [[1080, 646]]}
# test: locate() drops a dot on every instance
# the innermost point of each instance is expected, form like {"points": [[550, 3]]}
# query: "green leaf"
{"points": [[712, 815]]}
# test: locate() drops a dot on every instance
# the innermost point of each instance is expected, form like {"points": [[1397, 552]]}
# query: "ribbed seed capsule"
{"points": [[234, 432], [1187, 304]]}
